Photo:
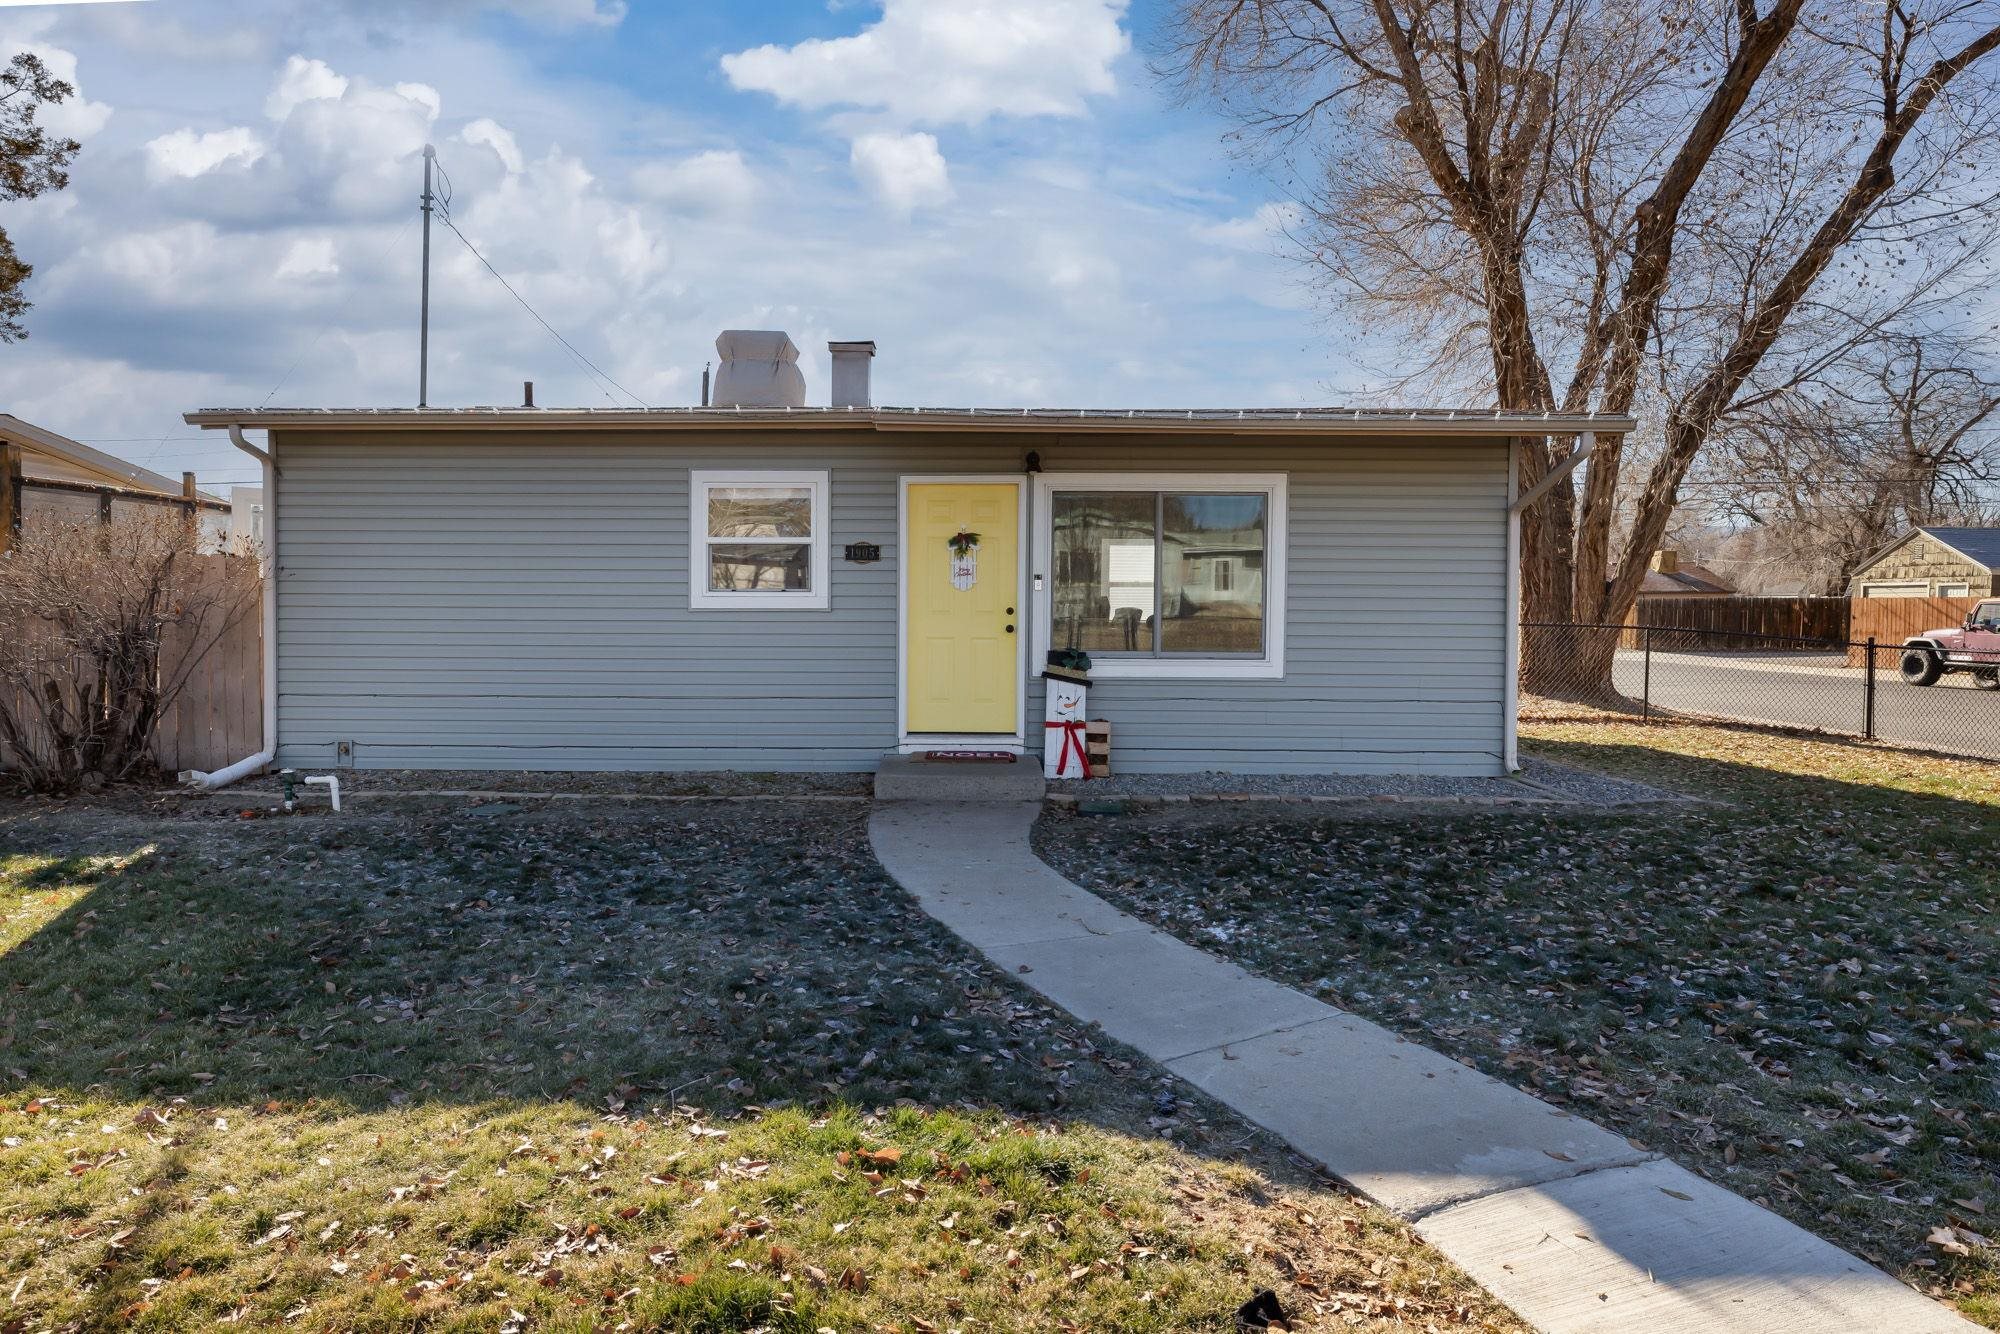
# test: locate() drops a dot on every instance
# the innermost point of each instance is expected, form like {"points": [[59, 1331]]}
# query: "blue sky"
{"points": [[998, 191]]}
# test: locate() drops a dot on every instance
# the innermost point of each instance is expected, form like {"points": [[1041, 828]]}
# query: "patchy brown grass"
{"points": [[1793, 988], [596, 1066]]}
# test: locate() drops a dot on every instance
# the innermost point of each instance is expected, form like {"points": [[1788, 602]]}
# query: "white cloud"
{"points": [[1261, 232], [903, 171], [77, 118], [484, 133], [184, 155], [310, 257], [927, 62], [302, 80], [1035, 280], [565, 13], [718, 181], [423, 95]]}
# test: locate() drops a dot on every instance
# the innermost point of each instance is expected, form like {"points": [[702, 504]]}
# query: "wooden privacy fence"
{"points": [[1889, 621], [1720, 618], [28, 501], [218, 717]]}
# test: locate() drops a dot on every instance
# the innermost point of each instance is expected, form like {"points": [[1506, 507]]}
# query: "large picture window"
{"points": [[759, 539], [1164, 576]]}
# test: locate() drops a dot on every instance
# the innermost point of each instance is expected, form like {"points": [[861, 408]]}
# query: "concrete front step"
{"points": [[917, 778]]}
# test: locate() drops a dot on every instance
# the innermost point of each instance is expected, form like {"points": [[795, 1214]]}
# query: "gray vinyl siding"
{"points": [[1397, 625], [519, 600]]}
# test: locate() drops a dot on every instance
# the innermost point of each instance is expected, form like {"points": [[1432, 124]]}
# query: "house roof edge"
{"points": [[1210, 421]]}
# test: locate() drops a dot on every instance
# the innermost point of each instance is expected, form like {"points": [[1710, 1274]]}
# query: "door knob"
{"points": [[1010, 629], [1010, 611]]}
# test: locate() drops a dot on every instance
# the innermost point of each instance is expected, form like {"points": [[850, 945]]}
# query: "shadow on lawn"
{"points": [[1666, 721], [438, 970], [375, 961], [719, 959], [1790, 989]]}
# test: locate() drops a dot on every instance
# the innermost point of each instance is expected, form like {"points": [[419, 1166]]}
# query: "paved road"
{"points": [[1819, 690]]}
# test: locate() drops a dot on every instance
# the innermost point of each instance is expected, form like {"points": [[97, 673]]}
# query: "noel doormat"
{"points": [[973, 756]]}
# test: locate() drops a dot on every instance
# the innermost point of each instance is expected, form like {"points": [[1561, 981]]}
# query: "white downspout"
{"points": [[243, 768], [1510, 690], [1586, 445]]}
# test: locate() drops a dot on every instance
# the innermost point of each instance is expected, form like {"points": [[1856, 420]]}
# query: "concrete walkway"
{"points": [[1570, 1225]]}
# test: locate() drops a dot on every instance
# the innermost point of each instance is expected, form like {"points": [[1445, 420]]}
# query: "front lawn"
{"points": [[1793, 988], [595, 1065]]}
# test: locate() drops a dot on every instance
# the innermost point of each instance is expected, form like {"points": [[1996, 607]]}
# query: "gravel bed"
{"points": [[1288, 785], [1594, 789], [1543, 782], [719, 783]]}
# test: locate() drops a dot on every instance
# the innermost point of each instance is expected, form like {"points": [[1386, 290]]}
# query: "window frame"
{"points": [[1180, 666], [816, 597]]}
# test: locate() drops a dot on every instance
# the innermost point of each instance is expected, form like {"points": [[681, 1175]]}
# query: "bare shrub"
{"points": [[101, 627]]}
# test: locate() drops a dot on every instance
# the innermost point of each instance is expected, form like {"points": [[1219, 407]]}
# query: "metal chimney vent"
{"points": [[850, 373]]}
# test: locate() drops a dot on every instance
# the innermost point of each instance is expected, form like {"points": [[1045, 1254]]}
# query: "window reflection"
{"points": [[1105, 555], [1149, 573], [1213, 600], [758, 567]]}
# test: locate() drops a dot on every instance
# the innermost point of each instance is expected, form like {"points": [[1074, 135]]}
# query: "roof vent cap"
{"points": [[760, 369]]}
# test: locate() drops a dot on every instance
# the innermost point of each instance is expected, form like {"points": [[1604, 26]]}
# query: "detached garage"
{"points": [[1933, 562]]}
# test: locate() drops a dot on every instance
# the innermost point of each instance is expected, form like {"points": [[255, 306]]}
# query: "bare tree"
{"points": [[1672, 207], [31, 163], [1897, 436], [101, 628]]}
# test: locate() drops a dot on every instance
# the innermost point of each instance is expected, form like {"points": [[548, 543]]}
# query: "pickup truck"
{"points": [[1973, 647]]}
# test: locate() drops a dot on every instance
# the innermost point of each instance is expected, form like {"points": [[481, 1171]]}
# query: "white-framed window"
{"points": [[1954, 590], [1162, 575], [758, 539]]}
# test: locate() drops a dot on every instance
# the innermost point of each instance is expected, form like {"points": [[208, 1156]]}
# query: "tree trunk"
{"points": [[1573, 663]]}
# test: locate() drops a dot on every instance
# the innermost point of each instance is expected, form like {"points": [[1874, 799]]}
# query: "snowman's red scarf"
{"points": [[1072, 731]]}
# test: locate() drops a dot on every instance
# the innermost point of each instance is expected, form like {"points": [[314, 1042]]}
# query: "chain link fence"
{"points": [[1847, 688]]}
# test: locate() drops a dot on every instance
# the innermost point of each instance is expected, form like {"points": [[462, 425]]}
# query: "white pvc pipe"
{"points": [[332, 786], [243, 768]]}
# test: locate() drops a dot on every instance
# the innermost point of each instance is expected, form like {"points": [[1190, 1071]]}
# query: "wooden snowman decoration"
{"points": [[1063, 751]]}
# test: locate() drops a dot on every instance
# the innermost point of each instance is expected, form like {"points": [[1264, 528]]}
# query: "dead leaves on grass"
{"points": [[367, 992], [1797, 990]]}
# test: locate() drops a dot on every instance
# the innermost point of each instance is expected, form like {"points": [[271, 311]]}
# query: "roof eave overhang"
{"points": [[1464, 424]]}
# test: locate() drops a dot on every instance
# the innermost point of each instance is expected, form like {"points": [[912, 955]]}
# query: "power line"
{"points": [[567, 346]]}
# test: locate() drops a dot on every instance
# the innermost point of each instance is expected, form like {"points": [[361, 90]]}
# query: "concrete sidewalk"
{"points": [[1572, 1226]]}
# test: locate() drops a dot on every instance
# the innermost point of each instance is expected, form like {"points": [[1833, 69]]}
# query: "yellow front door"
{"points": [[963, 675]]}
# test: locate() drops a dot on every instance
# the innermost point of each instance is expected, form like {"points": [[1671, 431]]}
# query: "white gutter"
{"points": [[243, 768], [1488, 424], [1586, 442]]}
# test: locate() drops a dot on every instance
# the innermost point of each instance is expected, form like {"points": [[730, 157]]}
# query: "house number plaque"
{"points": [[862, 553]]}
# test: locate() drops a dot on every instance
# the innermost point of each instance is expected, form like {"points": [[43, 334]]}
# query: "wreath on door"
{"points": [[964, 559]]}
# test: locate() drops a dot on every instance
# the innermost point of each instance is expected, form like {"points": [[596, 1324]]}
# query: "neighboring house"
{"points": [[1932, 562], [246, 520], [761, 585], [1668, 574], [66, 480]]}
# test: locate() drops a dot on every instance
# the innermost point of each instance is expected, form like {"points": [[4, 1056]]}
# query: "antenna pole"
{"points": [[424, 321]]}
